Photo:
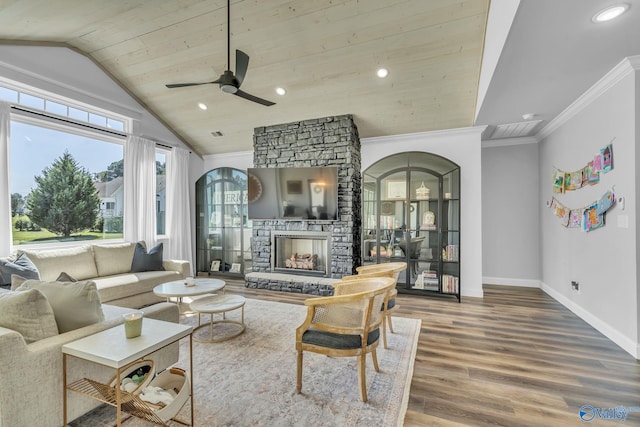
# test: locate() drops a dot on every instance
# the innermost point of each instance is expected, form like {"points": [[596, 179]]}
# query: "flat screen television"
{"points": [[293, 193]]}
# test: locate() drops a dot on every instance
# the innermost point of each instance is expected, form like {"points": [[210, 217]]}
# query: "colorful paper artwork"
{"points": [[558, 181], [605, 202], [597, 163], [587, 218], [602, 162], [607, 158], [593, 176], [575, 218], [590, 218]]}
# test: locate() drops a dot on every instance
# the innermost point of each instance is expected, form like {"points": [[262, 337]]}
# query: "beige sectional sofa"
{"points": [[31, 376], [108, 265]]}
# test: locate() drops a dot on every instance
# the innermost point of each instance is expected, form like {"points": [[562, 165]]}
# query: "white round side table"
{"points": [[218, 304]]}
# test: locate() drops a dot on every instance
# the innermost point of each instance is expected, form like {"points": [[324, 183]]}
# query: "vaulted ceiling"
{"points": [[539, 57], [324, 53]]}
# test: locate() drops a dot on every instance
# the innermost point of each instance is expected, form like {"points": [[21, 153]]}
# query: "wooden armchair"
{"points": [[345, 325], [387, 269]]}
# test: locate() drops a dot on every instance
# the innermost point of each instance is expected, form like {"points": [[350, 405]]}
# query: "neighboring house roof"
{"points": [[110, 188]]}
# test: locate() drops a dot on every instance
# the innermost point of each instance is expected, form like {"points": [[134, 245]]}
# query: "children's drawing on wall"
{"points": [[558, 181], [587, 218], [560, 211], [590, 218], [602, 162], [593, 176], [607, 158], [575, 218], [605, 202]]}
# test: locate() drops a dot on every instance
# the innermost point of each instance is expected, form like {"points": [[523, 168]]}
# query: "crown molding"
{"points": [[625, 67], [474, 130], [504, 142]]}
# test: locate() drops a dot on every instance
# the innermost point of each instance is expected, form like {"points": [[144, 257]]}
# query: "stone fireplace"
{"points": [[329, 141]]}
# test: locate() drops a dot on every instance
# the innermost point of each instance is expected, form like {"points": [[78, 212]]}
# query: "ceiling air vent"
{"points": [[217, 133], [514, 130]]}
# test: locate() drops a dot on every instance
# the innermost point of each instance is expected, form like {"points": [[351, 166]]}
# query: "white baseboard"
{"points": [[628, 345], [526, 283]]}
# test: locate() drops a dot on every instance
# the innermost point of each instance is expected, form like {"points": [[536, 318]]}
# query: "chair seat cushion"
{"points": [[338, 341], [391, 303]]}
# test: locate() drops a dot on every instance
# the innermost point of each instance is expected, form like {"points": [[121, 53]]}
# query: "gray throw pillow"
{"points": [[21, 266], [144, 260], [64, 277]]}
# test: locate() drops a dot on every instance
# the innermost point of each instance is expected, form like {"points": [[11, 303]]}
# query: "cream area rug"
{"points": [[250, 380]]}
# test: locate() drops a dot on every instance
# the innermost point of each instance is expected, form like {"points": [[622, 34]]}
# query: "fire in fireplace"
{"points": [[300, 252]]}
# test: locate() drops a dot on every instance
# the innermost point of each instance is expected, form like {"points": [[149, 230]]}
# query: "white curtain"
{"points": [[178, 206], [140, 190], [5, 192]]}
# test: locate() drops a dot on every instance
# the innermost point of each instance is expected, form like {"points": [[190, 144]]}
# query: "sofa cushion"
{"points": [[28, 313], [113, 259], [144, 260], [77, 262], [22, 266], [74, 304], [126, 285]]}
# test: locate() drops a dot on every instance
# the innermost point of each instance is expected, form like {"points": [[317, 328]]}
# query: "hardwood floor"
{"points": [[514, 358]]}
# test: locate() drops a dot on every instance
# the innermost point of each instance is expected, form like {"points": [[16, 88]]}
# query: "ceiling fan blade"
{"points": [[242, 63], [245, 95], [174, 85]]}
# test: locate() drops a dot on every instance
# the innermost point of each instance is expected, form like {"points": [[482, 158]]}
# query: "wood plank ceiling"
{"points": [[324, 53]]}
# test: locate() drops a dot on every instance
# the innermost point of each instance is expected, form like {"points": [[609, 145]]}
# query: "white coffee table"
{"points": [[178, 289], [218, 304]]}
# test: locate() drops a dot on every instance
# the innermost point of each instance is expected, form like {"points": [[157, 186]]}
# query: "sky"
{"points": [[34, 148]]}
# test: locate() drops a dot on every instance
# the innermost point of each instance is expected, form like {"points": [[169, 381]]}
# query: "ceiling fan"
{"points": [[228, 82]]}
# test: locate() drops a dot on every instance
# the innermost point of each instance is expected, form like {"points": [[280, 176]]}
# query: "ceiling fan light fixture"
{"points": [[281, 91], [382, 73], [610, 13], [228, 88]]}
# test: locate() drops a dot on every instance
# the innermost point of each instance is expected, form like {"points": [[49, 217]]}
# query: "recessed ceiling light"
{"points": [[529, 116], [281, 91], [202, 105], [610, 13], [382, 72]]}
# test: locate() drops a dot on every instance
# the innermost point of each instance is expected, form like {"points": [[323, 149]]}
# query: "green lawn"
{"points": [[26, 237]]}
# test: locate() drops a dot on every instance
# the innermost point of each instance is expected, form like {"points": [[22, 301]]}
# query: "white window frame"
{"points": [[41, 118]]}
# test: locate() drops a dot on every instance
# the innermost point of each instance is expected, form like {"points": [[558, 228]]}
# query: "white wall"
{"points": [[603, 261], [239, 160], [461, 146], [510, 214]]}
